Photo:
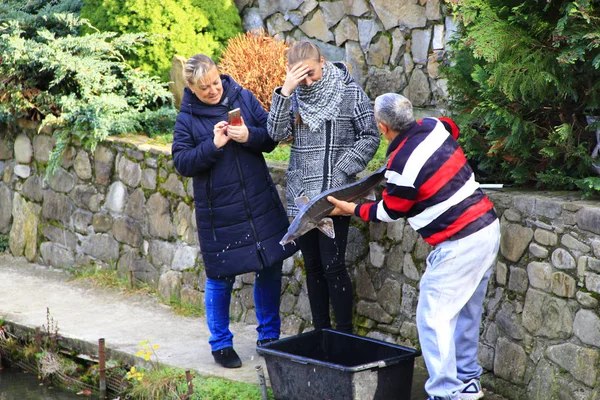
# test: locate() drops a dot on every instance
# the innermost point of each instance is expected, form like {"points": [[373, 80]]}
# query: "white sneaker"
{"points": [[472, 391]]}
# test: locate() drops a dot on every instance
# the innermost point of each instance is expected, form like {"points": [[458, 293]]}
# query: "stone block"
{"points": [[103, 165], [136, 205], [501, 273], [129, 231], [563, 285], [389, 296], [589, 219], [185, 258], [376, 254], [83, 166], [517, 281], [130, 172], [116, 198], [514, 240], [357, 246], [42, 146], [573, 244], [61, 181], [23, 150], [548, 316], [577, 360], [538, 251], [23, 235], [6, 208], [101, 246], [57, 256], [364, 285], [159, 217], [540, 275], [510, 362], [562, 259], [57, 207], [373, 311]]}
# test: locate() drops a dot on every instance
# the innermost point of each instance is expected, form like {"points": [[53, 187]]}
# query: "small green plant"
{"points": [[3, 242], [186, 309]]}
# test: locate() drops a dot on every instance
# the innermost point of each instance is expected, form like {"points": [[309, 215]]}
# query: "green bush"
{"points": [[523, 76], [80, 85], [182, 27]]}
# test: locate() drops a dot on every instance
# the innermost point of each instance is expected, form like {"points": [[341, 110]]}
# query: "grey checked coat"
{"points": [[333, 156]]}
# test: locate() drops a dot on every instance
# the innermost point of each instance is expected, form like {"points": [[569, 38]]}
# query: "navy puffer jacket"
{"points": [[239, 214]]}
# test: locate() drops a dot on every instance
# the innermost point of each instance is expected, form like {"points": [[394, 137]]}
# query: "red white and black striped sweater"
{"points": [[431, 184]]}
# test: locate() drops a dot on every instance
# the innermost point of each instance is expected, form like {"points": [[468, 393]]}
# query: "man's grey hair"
{"points": [[196, 67], [394, 110]]}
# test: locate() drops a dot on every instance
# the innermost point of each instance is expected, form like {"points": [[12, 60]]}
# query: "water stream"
{"points": [[18, 385]]}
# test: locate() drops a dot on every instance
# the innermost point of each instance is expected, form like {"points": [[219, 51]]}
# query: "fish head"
{"points": [[299, 226]]}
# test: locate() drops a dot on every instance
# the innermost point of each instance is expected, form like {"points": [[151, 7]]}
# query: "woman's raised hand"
{"points": [[294, 76], [220, 132]]}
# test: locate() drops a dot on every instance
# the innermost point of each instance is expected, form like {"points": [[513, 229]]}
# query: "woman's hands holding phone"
{"points": [[223, 133], [239, 133]]}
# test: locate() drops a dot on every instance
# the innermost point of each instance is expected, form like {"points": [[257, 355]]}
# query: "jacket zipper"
{"points": [[210, 208], [239, 167], [326, 161]]}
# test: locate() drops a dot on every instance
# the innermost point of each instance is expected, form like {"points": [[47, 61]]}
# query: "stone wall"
{"points": [[124, 206], [391, 45]]}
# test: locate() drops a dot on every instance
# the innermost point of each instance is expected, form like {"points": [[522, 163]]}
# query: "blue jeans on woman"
{"points": [[217, 298]]}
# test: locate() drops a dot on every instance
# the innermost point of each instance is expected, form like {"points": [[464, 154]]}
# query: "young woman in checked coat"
{"points": [[334, 135]]}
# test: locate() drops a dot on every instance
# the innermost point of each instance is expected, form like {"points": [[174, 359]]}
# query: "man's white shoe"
{"points": [[472, 391]]}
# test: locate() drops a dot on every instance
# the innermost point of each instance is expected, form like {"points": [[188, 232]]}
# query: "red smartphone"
{"points": [[235, 118]]}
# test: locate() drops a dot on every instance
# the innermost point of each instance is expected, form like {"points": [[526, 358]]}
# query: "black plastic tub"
{"points": [[326, 364]]}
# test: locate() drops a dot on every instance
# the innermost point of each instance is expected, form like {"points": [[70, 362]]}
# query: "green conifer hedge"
{"points": [[523, 76], [81, 86], [182, 27]]}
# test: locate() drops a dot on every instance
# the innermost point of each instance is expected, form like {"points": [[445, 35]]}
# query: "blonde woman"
{"points": [[239, 215]]}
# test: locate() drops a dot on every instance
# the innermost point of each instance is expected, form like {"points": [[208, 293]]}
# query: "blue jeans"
{"points": [[217, 298], [451, 296]]}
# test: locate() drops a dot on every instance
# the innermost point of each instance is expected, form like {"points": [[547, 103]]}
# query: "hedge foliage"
{"points": [[80, 85], [182, 27], [523, 76], [257, 62]]}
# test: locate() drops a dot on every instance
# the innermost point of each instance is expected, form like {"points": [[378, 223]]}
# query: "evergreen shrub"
{"points": [[522, 77], [182, 27], [257, 62], [79, 85]]}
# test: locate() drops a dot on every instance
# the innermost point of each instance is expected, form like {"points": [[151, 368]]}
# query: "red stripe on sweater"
{"points": [[396, 152], [454, 131], [443, 175], [364, 210], [397, 203], [470, 215]]}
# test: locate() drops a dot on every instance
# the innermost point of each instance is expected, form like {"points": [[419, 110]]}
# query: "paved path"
{"points": [[84, 314]]}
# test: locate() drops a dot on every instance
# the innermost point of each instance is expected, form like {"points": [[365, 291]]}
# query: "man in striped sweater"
{"points": [[430, 183]]}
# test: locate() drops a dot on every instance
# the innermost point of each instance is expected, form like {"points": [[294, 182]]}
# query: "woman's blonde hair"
{"points": [[196, 67], [303, 50]]}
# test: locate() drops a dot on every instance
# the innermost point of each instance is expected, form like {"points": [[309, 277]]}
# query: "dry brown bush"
{"points": [[257, 62]]}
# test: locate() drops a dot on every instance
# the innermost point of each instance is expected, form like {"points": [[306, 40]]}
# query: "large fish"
{"points": [[313, 213]]}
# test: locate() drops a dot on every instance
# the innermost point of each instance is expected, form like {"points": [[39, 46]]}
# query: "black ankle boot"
{"points": [[227, 357]]}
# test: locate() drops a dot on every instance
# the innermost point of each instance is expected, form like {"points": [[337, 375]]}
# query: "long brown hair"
{"points": [[300, 51]]}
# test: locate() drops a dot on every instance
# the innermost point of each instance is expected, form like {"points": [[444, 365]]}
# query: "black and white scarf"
{"points": [[321, 100]]}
